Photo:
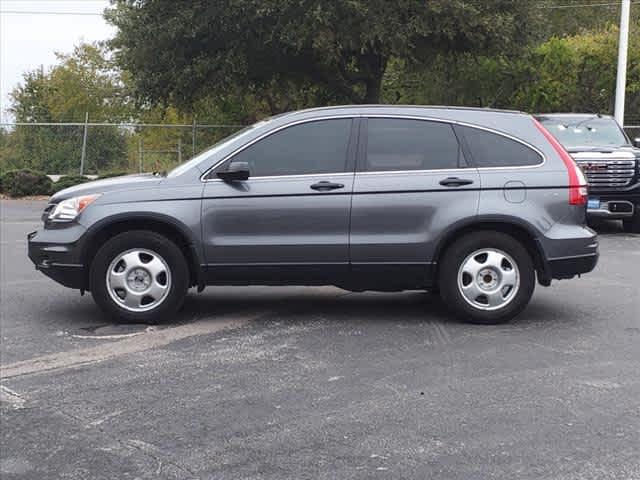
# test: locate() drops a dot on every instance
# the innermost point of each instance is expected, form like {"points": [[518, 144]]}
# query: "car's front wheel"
{"points": [[487, 277], [139, 277]]}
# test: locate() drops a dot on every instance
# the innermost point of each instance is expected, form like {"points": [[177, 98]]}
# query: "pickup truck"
{"points": [[609, 159]]}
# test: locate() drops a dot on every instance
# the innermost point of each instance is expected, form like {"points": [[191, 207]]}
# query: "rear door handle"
{"points": [[324, 185], [455, 182]]}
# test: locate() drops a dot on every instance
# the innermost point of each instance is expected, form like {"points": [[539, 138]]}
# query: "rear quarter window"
{"points": [[490, 149]]}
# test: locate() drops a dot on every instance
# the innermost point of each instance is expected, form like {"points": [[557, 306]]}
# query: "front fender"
{"points": [[177, 219]]}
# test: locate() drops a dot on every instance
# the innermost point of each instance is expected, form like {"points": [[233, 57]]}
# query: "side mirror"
{"points": [[235, 171], [636, 142]]}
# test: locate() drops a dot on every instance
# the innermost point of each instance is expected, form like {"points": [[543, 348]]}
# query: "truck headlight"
{"points": [[67, 210]]}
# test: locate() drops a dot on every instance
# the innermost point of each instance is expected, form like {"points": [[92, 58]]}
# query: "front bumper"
{"points": [[57, 258], [613, 209], [615, 205]]}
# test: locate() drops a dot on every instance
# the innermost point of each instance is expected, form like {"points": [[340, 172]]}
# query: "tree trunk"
{"points": [[373, 86], [375, 65]]}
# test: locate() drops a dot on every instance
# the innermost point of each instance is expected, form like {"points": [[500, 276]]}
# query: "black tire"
{"points": [[139, 239], [632, 225], [459, 251]]}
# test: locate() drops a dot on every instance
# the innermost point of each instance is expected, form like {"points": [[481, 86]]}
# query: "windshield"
{"points": [[180, 169], [581, 131]]}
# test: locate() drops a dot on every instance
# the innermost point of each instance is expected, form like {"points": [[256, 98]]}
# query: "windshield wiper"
{"points": [[582, 122]]}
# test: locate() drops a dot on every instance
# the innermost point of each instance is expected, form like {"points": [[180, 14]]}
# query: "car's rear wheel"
{"points": [[632, 225], [487, 277], [139, 277]]}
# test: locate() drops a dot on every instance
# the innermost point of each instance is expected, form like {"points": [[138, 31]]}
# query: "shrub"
{"points": [[69, 181], [22, 183]]}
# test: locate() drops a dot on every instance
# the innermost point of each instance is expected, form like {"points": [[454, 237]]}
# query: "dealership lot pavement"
{"points": [[318, 383]]}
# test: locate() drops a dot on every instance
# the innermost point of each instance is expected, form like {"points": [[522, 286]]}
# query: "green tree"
{"points": [[9, 156], [292, 53], [578, 74], [84, 81], [464, 79], [573, 17], [569, 73]]}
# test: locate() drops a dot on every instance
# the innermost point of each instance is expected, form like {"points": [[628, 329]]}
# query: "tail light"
{"points": [[577, 180]]}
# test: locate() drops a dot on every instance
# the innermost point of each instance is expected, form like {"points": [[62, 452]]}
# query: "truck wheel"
{"points": [[632, 225], [139, 277], [487, 277]]}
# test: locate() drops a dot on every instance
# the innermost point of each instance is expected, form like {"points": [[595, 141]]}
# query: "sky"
{"points": [[29, 40]]}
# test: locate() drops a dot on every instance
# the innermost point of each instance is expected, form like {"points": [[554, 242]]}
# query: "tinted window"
{"points": [[397, 144], [315, 147], [493, 150]]}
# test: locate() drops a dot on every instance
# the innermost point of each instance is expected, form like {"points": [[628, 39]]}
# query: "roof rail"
{"points": [[426, 107]]}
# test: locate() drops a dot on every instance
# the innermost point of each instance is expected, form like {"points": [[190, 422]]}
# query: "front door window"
{"points": [[310, 148]]}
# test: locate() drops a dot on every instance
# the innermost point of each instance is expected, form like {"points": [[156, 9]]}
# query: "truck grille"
{"points": [[606, 170]]}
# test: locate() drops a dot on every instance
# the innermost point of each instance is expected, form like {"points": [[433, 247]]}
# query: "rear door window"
{"points": [[395, 144], [490, 149]]}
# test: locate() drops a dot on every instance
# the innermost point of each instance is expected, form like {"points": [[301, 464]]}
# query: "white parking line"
{"points": [[12, 398], [113, 337]]}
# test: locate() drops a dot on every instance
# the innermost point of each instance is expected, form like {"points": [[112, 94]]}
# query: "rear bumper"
{"points": [[567, 250], [57, 261], [569, 267]]}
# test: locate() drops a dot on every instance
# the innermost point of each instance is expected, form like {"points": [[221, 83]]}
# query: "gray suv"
{"points": [[471, 203]]}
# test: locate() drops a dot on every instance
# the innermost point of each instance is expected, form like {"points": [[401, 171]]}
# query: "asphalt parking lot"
{"points": [[318, 383]]}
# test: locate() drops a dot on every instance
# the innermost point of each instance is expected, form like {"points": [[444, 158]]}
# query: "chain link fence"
{"points": [[85, 148], [632, 125]]}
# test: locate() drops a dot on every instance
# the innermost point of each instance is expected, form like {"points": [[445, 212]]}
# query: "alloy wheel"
{"points": [[488, 279], [138, 280]]}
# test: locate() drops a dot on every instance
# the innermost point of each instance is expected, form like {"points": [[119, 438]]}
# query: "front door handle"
{"points": [[324, 185], [455, 182]]}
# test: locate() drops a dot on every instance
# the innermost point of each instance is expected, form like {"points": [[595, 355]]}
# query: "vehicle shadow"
{"points": [[266, 304], [290, 306], [303, 304]]}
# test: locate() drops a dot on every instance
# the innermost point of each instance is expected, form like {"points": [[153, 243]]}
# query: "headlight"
{"points": [[67, 210]]}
